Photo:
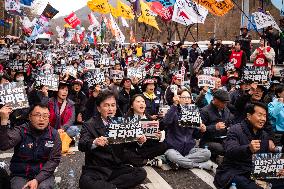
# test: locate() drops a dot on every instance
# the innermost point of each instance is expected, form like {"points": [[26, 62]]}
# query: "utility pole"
{"points": [[245, 8]]}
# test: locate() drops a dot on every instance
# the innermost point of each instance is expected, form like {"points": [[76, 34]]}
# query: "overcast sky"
{"points": [[63, 6]]}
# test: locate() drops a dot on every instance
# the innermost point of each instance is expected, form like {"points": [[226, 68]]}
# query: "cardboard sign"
{"points": [[150, 128], [14, 95], [189, 116], [116, 74], [206, 80], [256, 74], [51, 81], [94, 78], [208, 71], [123, 131], [267, 165]]}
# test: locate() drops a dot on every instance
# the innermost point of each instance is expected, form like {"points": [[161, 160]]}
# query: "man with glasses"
{"points": [[37, 149]]}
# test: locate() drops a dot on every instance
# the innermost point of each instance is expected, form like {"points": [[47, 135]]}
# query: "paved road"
{"points": [[156, 178]]}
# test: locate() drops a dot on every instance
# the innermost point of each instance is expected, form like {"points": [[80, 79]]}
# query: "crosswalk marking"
{"points": [[203, 175], [157, 182]]}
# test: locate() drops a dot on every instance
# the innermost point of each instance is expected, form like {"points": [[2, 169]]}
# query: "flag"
{"points": [[101, 6], [114, 11], [49, 11], [124, 22], [165, 13], [165, 3], [4, 23], [72, 20], [132, 37], [263, 20], [26, 2], [103, 29], [26, 22], [187, 12], [12, 5], [147, 15], [117, 32], [124, 10], [93, 20], [218, 8], [66, 33]]}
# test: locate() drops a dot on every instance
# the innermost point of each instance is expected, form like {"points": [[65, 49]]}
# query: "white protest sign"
{"points": [[208, 71], [14, 95], [150, 128], [89, 65], [206, 81], [116, 74], [263, 20], [51, 81]]}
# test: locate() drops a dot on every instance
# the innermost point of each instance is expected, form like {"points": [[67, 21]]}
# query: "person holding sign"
{"points": [[143, 154], [181, 140], [103, 169], [243, 140], [37, 149]]}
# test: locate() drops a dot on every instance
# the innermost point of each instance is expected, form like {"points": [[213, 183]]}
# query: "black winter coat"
{"points": [[238, 157]]}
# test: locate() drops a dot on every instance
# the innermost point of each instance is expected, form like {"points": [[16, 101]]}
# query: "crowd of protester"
{"points": [[239, 117]]}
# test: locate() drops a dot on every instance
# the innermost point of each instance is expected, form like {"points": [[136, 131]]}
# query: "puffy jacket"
{"points": [[152, 106], [276, 115]]}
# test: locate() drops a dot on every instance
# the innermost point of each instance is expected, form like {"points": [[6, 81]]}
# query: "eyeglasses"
{"points": [[43, 116], [185, 97]]}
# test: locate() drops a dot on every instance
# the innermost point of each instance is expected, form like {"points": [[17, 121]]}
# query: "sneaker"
{"points": [[174, 166], [208, 165], [155, 162]]}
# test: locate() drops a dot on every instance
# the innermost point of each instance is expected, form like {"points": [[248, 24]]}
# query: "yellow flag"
{"points": [[101, 6], [146, 16], [114, 11], [124, 10], [219, 8], [67, 26]]}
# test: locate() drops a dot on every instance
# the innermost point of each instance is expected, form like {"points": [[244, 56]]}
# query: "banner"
{"points": [[123, 130], [119, 37], [124, 10], [12, 5], [50, 80], [165, 13], [264, 20], [256, 74], [150, 128], [267, 165], [218, 8], [100, 6], [72, 20], [187, 12], [206, 81], [26, 2], [147, 16], [14, 95], [49, 11], [189, 116], [93, 20], [164, 3]]}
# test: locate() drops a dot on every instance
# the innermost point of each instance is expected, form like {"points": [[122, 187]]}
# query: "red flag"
{"points": [[72, 20], [95, 39], [82, 36], [165, 13]]}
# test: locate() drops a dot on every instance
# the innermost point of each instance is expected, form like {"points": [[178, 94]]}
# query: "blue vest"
{"points": [[32, 153]]}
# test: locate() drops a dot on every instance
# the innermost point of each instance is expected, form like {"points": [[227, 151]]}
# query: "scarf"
{"points": [[150, 96], [58, 112]]}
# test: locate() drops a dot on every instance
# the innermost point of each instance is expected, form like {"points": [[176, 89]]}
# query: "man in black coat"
{"points": [[103, 169], [216, 116], [243, 140]]}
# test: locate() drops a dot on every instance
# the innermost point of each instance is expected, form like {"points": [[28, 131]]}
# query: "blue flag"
{"points": [[165, 3], [26, 2]]}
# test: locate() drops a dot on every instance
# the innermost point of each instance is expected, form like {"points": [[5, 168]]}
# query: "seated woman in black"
{"points": [[143, 154], [103, 169]]}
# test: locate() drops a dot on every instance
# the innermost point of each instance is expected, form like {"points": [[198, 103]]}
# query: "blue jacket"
{"points": [[276, 115], [177, 137]]}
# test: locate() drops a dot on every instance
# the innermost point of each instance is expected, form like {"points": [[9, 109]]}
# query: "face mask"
{"points": [[20, 79]]}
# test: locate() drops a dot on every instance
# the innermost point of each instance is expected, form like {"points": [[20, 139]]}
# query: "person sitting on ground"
{"points": [[103, 169], [143, 154], [37, 149], [62, 112], [243, 140], [181, 140]]}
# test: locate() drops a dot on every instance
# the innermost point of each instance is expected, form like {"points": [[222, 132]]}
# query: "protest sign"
{"points": [[104, 61], [46, 69], [134, 72], [94, 78], [14, 95], [51, 81], [206, 81], [267, 165], [89, 65], [72, 71], [229, 67], [123, 131], [59, 68], [18, 65], [150, 128], [208, 71], [256, 74], [198, 63], [189, 116], [263, 20], [116, 74]]}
